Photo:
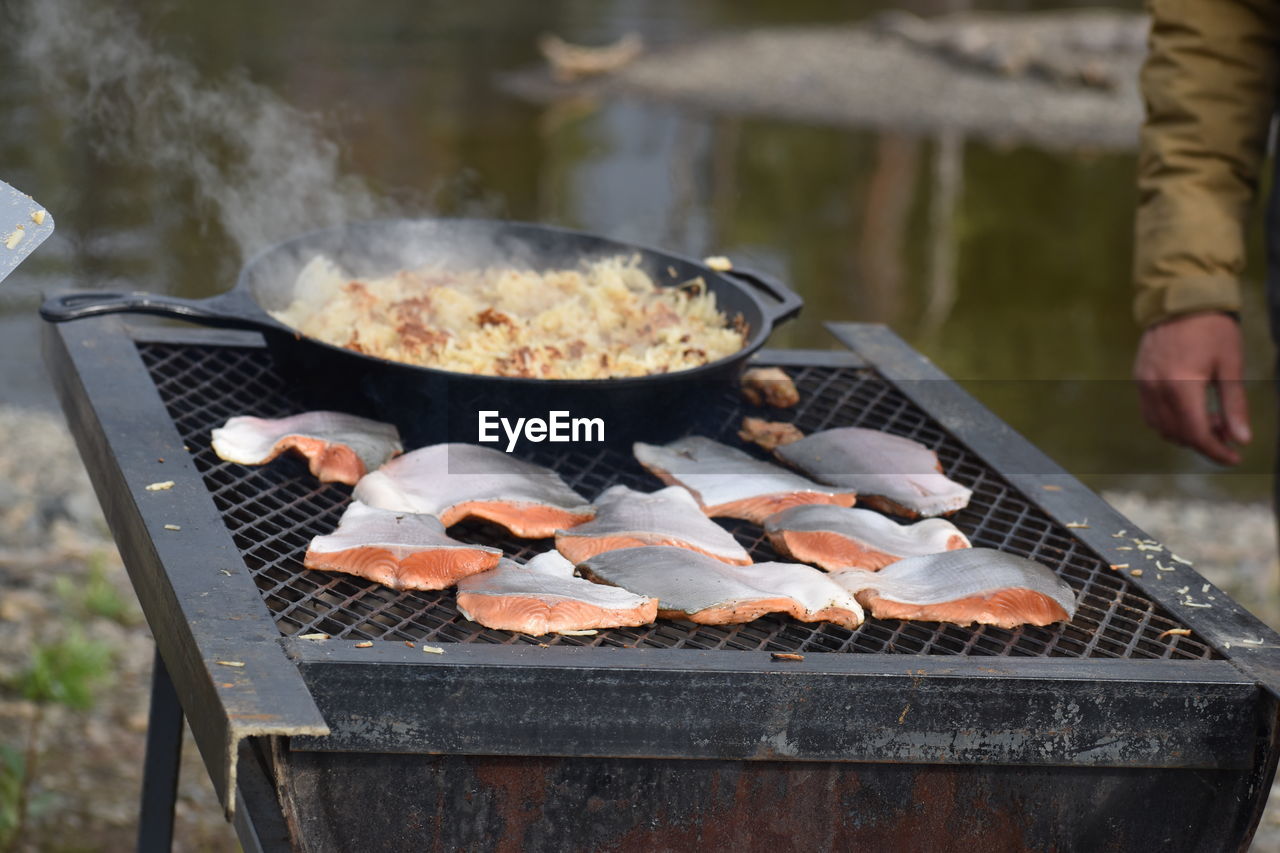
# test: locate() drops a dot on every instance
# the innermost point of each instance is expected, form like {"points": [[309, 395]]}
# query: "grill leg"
{"points": [[160, 772]]}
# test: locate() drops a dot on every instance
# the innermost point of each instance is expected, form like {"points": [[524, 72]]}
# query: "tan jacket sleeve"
{"points": [[1209, 84]]}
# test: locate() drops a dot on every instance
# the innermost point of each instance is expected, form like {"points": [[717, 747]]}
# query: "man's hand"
{"points": [[1178, 362]]}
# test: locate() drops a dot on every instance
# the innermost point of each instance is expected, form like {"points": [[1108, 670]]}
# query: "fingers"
{"points": [[1178, 365]]}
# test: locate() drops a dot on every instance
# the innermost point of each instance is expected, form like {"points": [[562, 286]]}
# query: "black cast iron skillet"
{"points": [[428, 404]]}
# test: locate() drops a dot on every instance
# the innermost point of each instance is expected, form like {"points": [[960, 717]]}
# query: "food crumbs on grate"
{"points": [[408, 643], [1137, 573], [433, 650], [1119, 534], [1174, 632], [786, 656], [313, 636], [229, 662], [224, 572], [172, 527], [1180, 560], [1078, 525], [162, 486], [1204, 590], [1115, 567], [365, 645], [1251, 642], [1123, 548]]}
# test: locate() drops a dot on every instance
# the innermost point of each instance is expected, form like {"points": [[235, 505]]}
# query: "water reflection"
{"points": [[1007, 266]]}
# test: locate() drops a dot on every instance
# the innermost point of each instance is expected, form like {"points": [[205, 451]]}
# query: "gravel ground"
{"points": [[60, 573]]}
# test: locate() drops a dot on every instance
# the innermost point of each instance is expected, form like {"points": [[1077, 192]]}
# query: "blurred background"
{"points": [[963, 172]]}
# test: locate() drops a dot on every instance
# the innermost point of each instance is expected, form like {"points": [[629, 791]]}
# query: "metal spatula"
{"points": [[24, 225]]}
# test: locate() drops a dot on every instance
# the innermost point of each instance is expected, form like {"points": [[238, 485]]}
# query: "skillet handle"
{"points": [[227, 310], [787, 303]]}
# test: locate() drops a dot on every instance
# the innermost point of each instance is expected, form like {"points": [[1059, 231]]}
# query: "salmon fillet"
{"points": [[964, 586], [889, 472], [626, 518], [838, 538], [339, 448], [693, 586], [400, 550], [457, 481], [728, 483], [543, 597]]}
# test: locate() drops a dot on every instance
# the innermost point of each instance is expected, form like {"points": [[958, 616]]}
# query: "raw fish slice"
{"points": [[703, 589], [339, 448], [401, 550], [454, 481], [543, 597], [626, 518], [730, 483], [969, 585], [889, 472], [835, 537]]}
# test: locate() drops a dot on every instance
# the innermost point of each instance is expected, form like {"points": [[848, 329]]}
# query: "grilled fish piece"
{"points": [[401, 550], [728, 483], [836, 538], [543, 597], [768, 434], [969, 585], [769, 386], [455, 481], [626, 518], [702, 589], [339, 448], [889, 472]]}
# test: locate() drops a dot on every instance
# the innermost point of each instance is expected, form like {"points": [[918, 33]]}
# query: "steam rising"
{"points": [[263, 167]]}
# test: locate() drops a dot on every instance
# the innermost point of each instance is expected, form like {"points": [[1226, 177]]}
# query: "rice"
{"points": [[606, 319]]}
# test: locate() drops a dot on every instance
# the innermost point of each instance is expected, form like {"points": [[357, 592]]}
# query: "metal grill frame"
{"points": [[205, 609]]}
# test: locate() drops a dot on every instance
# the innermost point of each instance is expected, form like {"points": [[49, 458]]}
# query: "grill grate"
{"points": [[273, 511]]}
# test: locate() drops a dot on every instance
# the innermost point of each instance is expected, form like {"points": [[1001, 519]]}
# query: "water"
{"points": [[1008, 266]]}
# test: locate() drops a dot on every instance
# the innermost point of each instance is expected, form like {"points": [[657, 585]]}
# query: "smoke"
{"points": [[263, 168]]}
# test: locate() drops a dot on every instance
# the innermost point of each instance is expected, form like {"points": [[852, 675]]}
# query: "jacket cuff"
{"points": [[1157, 303]]}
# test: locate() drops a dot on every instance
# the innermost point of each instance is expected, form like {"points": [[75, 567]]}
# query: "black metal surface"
{"points": [[583, 805], [200, 604], [431, 405], [273, 511], [163, 758]]}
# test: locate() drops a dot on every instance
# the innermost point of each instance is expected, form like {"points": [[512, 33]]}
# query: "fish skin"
{"points": [[400, 550], [626, 518], [454, 481], [889, 472], [837, 538], [543, 597], [729, 483], [338, 447], [964, 586], [702, 589]]}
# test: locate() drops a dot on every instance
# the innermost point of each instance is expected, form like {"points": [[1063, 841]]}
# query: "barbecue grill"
{"points": [[1107, 733]]}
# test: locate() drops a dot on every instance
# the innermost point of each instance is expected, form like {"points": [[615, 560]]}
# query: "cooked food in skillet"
{"points": [[605, 319], [727, 482], [769, 386], [626, 518], [454, 481], [889, 472], [340, 448], [543, 597], [401, 550], [836, 537], [969, 585], [702, 589]]}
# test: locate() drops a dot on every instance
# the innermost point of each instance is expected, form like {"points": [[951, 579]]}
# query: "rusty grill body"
{"points": [[673, 734]]}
